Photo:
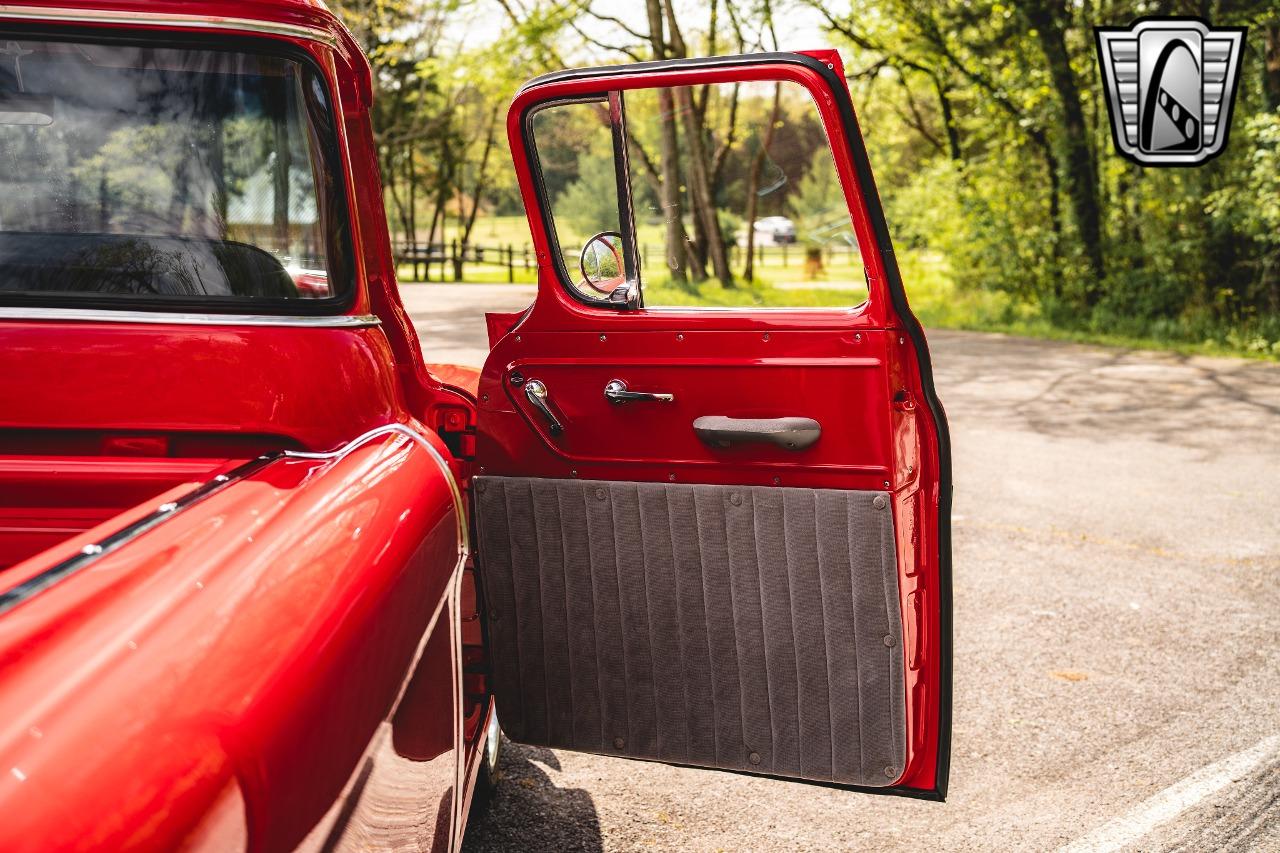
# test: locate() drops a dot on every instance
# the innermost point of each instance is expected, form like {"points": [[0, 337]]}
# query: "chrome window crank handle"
{"points": [[616, 392], [536, 391]]}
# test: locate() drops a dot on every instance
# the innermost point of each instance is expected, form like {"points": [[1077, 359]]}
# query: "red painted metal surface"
{"points": [[45, 500], [311, 388], [831, 378], [855, 371], [264, 668], [231, 678], [254, 644], [458, 376], [345, 396]]}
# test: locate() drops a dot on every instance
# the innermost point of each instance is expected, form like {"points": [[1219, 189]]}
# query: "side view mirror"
{"points": [[601, 262]]}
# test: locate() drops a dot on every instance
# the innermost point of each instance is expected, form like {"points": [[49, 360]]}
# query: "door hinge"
{"points": [[456, 428]]}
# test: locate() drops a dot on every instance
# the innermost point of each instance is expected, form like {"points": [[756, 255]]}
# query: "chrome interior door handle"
{"points": [[536, 391], [616, 392]]}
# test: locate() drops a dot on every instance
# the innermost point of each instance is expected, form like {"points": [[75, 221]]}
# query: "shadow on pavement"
{"points": [[529, 812]]}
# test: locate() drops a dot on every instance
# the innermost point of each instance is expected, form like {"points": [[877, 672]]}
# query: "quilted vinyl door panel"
{"points": [[743, 628]]}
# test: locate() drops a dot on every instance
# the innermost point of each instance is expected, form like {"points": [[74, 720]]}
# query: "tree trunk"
{"points": [[700, 189], [753, 183], [392, 187], [411, 177], [698, 245], [179, 199], [218, 164], [444, 182], [1055, 214], [1272, 79], [1081, 179], [948, 118], [668, 154], [280, 217], [481, 171], [711, 241], [402, 207]]}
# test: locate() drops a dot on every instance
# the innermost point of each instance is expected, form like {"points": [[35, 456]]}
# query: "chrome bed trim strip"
{"points": [[182, 318], [93, 552]]}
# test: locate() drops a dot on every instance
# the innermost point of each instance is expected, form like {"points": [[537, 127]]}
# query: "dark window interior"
{"points": [[133, 173]]}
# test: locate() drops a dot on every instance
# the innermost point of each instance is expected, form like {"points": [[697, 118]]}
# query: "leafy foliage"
{"points": [[992, 116]]}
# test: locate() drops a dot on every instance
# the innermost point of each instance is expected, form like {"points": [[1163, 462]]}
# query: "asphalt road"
{"points": [[1117, 625]]}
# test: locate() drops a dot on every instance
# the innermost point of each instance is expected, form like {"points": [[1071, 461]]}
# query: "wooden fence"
{"points": [[450, 260]]}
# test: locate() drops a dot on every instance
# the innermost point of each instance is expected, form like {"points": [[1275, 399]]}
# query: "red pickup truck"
{"points": [[267, 580]]}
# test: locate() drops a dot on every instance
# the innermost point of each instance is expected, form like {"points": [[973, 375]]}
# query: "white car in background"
{"points": [[773, 231]]}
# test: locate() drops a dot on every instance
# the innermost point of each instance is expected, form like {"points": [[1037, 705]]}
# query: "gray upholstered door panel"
{"points": [[745, 628]]}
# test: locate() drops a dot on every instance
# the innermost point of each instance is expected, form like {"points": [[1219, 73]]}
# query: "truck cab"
{"points": [[269, 581]]}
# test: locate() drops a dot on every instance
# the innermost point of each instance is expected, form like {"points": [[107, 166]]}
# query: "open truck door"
{"points": [[714, 536]]}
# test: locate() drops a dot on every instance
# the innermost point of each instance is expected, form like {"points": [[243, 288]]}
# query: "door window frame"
{"points": [[596, 84]]}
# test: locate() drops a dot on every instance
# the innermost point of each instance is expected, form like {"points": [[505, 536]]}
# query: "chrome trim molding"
{"points": [[93, 552], [159, 19], [492, 741], [180, 318], [464, 536]]}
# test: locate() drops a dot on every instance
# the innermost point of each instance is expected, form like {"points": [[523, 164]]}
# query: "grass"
{"points": [[930, 289], [940, 304], [758, 293], [1040, 328], [494, 231], [778, 267]]}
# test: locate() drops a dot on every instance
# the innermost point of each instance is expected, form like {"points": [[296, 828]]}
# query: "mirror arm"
{"points": [[626, 294]]}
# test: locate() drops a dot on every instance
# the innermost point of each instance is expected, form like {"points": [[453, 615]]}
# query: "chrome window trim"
{"points": [[180, 318], [160, 19], [91, 553]]}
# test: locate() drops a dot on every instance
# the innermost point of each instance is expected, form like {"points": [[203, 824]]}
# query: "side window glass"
{"points": [[138, 174], [576, 158], [737, 201]]}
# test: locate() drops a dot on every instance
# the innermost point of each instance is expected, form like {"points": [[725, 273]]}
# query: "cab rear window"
{"points": [[136, 174]]}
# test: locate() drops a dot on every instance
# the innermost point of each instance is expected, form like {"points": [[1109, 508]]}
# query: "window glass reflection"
{"points": [[159, 173]]}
